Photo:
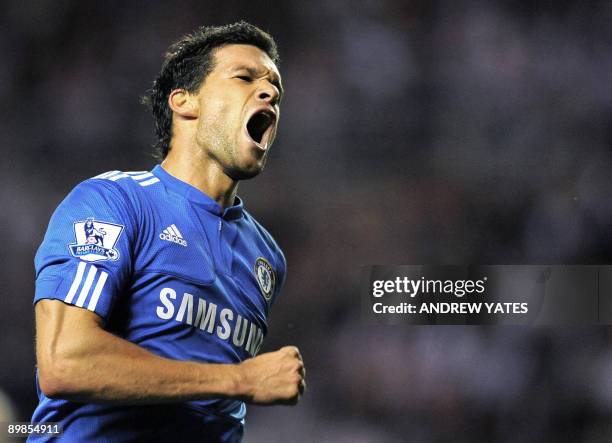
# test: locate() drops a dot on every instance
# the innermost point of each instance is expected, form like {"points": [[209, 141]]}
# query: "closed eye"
{"points": [[245, 78]]}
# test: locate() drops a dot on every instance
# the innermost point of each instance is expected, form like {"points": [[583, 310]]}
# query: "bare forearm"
{"points": [[79, 360], [110, 369]]}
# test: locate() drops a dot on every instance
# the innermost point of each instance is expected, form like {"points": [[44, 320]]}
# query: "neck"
{"points": [[203, 173]]}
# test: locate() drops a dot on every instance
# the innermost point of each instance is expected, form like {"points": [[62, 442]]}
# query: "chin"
{"points": [[239, 173]]}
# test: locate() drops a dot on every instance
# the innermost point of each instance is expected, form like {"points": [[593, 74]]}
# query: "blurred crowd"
{"points": [[412, 132]]}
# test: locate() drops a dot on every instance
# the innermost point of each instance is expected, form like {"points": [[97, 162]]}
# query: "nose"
{"points": [[268, 92]]}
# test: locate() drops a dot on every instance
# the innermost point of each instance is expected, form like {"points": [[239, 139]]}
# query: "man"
{"points": [[150, 332]]}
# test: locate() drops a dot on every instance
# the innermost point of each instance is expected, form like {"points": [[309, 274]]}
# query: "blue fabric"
{"points": [[167, 269]]}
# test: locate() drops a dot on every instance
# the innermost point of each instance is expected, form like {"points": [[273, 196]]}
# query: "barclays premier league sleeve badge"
{"points": [[265, 277], [95, 240]]}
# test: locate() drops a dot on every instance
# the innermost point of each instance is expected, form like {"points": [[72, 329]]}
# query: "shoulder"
{"points": [[127, 185], [116, 192], [128, 181]]}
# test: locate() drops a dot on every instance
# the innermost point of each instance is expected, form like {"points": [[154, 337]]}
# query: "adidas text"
{"points": [[172, 234]]}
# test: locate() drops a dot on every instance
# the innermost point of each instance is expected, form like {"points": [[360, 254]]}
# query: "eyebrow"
{"points": [[253, 72]]}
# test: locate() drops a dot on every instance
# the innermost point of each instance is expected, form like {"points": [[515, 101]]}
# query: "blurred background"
{"points": [[440, 132]]}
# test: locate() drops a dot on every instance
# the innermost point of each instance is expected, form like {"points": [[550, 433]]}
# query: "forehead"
{"points": [[233, 56]]}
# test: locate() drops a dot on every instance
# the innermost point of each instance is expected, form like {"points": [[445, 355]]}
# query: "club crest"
{"points": [[95, 240], [264, 274]]}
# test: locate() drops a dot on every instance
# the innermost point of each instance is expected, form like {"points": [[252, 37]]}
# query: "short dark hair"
{"points": [[187, 63]]}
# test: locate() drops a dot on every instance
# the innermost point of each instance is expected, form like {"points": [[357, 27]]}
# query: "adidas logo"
{"points": [[171, 233]]}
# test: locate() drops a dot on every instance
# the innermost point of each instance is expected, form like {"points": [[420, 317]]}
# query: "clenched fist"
{"points": [[275, 377]]}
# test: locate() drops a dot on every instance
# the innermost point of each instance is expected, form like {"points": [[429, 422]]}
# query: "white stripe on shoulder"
{"points": [[142, 176], [87, 286], [107, 174], [76, 282], [95, 296], [149, 182], [118, 176]]}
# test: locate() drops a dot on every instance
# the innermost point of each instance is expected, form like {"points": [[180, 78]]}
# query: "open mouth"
{"points": [[259, 126]]}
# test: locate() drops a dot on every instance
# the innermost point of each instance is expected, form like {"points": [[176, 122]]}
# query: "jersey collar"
{"points": [[198, 197]]}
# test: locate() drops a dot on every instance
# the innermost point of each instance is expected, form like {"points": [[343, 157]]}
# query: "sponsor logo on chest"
{"points": [[224, 323]]}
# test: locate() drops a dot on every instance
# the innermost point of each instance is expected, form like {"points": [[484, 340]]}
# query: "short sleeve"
{"points": [[85, 258]]}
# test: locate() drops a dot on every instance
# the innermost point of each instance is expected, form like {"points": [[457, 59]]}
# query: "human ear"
{"points": [[183, 103]]}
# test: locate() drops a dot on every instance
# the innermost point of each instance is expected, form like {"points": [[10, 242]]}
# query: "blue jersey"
{"points": [[167, 269]]}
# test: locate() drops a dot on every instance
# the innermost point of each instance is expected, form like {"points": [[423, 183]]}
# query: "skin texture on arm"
{"points": [[80, 361]]}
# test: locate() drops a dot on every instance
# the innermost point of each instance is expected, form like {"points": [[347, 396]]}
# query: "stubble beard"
{"points": [[221, 149], [237, 173]]}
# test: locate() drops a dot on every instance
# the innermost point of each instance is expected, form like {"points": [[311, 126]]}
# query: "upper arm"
{"points": [[59, 324], [63, 332], [81, 270]]}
